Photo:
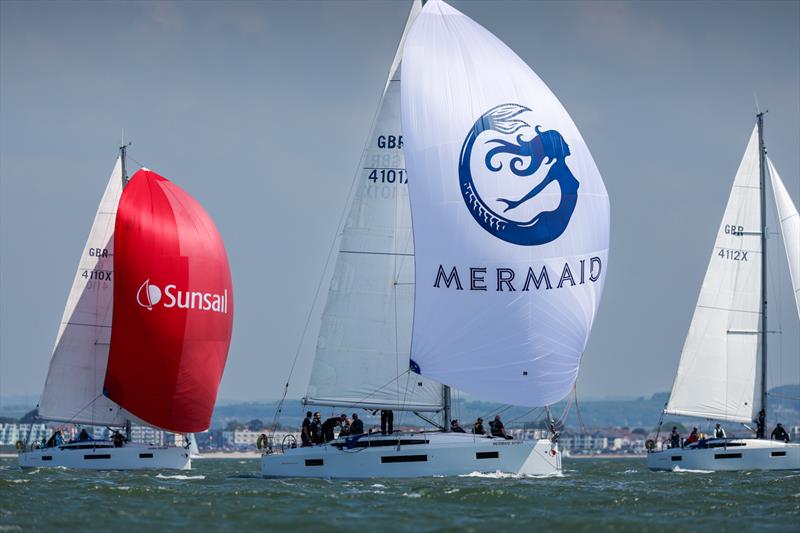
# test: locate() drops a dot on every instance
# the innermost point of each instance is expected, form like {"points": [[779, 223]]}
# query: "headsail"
{"points": [[790, 228], [365, 337], [719, 375], [511, 217], [74, 386], [173, 307]]}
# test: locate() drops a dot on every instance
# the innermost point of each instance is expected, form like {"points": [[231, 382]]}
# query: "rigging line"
{"points": [[504, 409], [526, 413], [578, 411], [83, 408]]}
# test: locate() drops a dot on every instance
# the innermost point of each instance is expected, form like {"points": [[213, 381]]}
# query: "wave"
{"points": [[691, 470], [506, 475], [179, 476]]}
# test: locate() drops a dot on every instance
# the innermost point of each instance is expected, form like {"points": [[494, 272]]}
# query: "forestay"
{"points": [[719, 375], [362, 355], [510, 217], [790, 229], [74, 386]]}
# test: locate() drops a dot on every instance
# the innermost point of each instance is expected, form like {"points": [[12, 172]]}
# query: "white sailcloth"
{"points": [[73, 391], [790, 229], [719, 375], [511, 217], [365, 336]]}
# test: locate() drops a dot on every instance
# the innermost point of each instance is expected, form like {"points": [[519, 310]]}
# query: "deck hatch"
{"points": [[487, 455], [314, 462], [403, 458], [727, 456]]}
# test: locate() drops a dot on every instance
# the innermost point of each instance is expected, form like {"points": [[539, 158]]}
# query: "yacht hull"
{"points": [[415, 455], [729, 454], [101, 456]]}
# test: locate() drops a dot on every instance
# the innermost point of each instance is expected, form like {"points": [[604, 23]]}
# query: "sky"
{"points": [[260, 110]]}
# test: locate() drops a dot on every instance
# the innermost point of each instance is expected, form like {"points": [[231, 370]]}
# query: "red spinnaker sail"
{"points": [[173, 307]]}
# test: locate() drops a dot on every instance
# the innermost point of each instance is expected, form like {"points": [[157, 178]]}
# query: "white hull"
{"points": [[418, 455], [102, 455], [729, 454]]}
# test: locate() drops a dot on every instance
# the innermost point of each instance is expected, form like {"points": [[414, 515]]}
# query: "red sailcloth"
{"points": [[173, 307]]}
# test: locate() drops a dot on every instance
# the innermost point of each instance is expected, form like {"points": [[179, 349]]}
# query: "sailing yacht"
{"points": [[722, 374], [443, 285], [145, 332]]}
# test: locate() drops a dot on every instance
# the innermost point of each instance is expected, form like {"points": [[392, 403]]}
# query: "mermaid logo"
{"points": [[546, 147]]}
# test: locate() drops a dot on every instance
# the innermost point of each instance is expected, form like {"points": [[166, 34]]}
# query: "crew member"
{"points": [[305, 432], [693, 437], [761, 423], [316, 429], [477, 428], [356, 426], [719, 433], [455, 427], [328, 427], [84, 436], [779, 433], [674, 438], [497, 428], [345, 431], [387, 422]]}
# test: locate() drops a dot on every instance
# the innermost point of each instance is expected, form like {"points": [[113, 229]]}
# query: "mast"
{"points": [[446, 414], [763, 193], [122, 150]]}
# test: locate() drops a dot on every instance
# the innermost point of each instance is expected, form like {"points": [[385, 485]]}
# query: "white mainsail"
{"points": [[790, 229], [719, 375], [511, 246], [362, 356], [73, 391]]}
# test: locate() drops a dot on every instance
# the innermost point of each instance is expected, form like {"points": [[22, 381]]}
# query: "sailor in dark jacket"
{"points": [[357, 426], [779, 433]]}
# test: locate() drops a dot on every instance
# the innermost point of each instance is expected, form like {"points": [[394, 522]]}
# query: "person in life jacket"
{"points": [[719, 432], [779, 433], [498, 429], [477, 428], [693, 437], [674, 438]]}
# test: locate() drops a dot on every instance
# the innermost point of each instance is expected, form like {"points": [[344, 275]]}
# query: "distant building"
{"points": [[11, 433]]}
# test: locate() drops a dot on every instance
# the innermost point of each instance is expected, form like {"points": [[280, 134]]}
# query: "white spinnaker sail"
{"points": [[790, 229], [73, 391], [507, 290], [362, 356], [719, 375]]}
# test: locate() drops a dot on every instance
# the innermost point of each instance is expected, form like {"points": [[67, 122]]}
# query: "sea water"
{"points": [[591, 495]]}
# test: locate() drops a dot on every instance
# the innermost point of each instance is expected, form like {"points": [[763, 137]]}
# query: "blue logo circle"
{"points": [[547, 147]]}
